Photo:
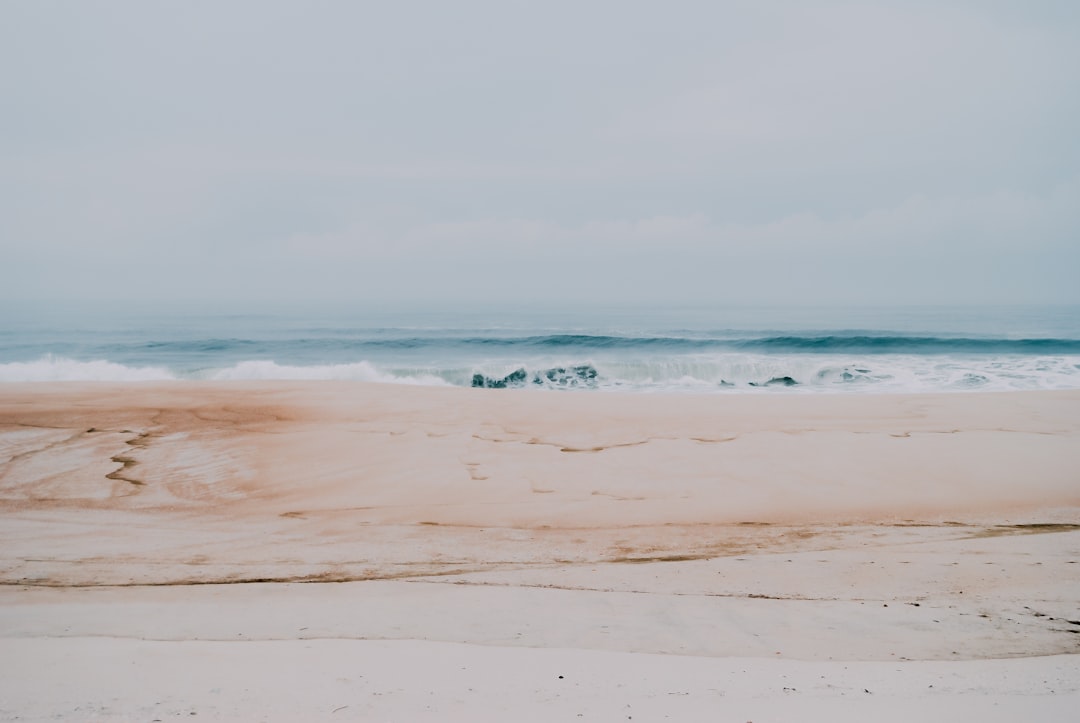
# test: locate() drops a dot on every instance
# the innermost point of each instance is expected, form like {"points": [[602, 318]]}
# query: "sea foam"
{"points": [[53, 369], [722, 372], [360, 371]]}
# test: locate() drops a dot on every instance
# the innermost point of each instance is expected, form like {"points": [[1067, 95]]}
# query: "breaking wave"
{"points": [[360, 372], [59, 369], [853, 343], [666, 372]]}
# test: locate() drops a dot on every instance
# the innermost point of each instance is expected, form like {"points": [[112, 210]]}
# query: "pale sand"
{"points": [[727, 557]]}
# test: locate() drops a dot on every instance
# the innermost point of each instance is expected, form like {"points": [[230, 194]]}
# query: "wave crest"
{"points": [[59, 369], [359, 371], [697, 372], [846, 343]]}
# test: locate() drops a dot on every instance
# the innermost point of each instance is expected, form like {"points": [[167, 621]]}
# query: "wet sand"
{"points": [[692, 556]]}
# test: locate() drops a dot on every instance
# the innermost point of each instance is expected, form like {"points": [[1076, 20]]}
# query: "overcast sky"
{"points": [[442, 152]]}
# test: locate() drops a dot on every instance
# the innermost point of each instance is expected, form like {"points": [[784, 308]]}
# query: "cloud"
{"points": [[618, 149], [994, 222]]}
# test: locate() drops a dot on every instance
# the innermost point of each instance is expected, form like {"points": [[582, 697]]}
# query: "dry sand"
{"points": [[324, 550]]}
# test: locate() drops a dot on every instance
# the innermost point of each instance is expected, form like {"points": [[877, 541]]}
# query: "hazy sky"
{"points": [[679, 152]]}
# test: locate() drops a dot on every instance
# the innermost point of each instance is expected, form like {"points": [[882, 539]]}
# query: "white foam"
{"points": [[828, 373], [360, 371], [690, 373], [54, 369]]}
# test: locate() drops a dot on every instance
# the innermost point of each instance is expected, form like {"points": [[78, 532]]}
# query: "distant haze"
{"points": [[509, 152]]}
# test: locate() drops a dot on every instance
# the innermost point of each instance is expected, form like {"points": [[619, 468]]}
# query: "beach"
{"points": [[517, 362], [343, 550]]}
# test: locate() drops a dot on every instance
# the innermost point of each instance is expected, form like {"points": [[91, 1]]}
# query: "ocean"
{"points": [[722, 350]]}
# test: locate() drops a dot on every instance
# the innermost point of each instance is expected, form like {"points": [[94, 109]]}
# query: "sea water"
{"points": [[719, 350]]}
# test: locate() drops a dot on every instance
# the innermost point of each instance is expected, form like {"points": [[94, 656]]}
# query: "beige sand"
{"points": [[685, 556]]}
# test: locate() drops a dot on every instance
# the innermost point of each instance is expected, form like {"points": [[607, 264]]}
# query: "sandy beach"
{"points": [[348, 551]]}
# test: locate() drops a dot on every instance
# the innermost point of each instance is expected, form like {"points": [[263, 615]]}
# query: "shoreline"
{"points": [[746, 458], [762, 391]]}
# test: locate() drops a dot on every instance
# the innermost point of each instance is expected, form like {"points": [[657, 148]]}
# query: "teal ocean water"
{"points": [[699, 349]]}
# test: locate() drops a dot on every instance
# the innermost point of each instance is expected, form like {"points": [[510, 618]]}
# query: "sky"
{"points": [[440, 153]]}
